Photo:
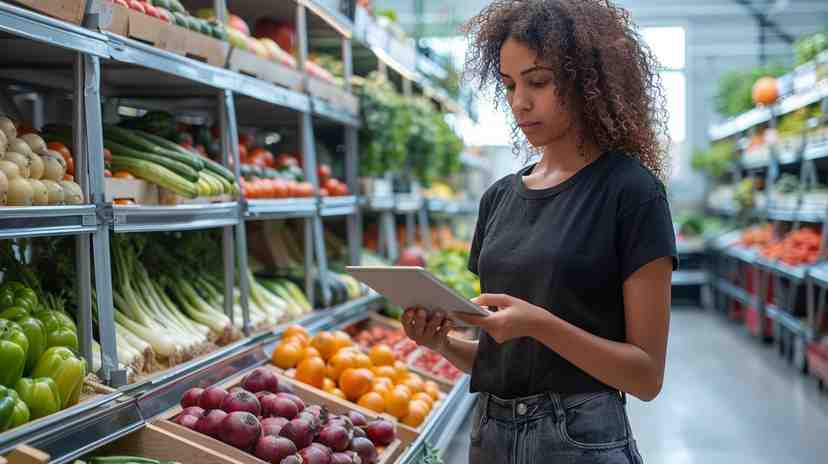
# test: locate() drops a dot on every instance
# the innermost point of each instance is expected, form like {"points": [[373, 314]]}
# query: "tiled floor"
{"points": [[727, 399]]}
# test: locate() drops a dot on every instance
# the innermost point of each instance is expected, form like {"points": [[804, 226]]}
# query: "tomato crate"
{"points": [[166, 36], [245, 62], [310, 395], [68, 10]]}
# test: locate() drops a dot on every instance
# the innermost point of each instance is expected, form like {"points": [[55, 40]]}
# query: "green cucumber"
{"points": [[216, 168], [156, 174], [138, 140], [175, 166], [122, 460], [224, 185], [176, 6]]}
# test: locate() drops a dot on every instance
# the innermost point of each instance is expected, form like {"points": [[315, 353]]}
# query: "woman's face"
{"points": [[532, 95]]}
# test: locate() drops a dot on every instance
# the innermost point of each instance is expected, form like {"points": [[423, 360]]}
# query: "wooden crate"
{"points": [[167, 197], [137, 190], [245, 62], [166, 36], [405, 435], [155, 442], [68, 10], [333, 94]]}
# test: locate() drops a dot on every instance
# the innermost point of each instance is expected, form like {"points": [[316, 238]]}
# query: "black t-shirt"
{"points": [[567, 249]]}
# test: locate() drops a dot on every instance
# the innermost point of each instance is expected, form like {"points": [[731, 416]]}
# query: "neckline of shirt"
{"points": [[526, 192]]}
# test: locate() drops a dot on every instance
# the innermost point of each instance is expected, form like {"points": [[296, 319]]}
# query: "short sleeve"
{"points": [[479, 234], [645, 233]]}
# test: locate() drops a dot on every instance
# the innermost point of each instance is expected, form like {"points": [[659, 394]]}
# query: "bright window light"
{"points": [[668, 45]]}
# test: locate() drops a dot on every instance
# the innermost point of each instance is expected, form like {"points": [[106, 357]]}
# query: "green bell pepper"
{"points": [[41, 395], [13, 313], [21, 414], [67, 370], [58, 333], [36, 334], [13, 411], [13, 348]]}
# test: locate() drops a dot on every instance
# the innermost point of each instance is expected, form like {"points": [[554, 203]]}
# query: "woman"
{"points": [[575, 252]]}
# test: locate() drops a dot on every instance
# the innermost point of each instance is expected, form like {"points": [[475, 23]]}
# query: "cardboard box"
{"points": [[245, 62], [333, 94], [68, 10], [167, 197], [311, 396], [166, 36]]}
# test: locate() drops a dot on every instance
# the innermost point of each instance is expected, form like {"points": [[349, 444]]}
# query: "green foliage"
{"points": [[735, 94], [715, 161], [807, 48]]}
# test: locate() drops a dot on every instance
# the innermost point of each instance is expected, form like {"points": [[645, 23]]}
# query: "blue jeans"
{"points": [[551, 428]]}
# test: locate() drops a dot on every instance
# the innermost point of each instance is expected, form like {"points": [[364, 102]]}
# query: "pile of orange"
{"points": [[377, 381]]}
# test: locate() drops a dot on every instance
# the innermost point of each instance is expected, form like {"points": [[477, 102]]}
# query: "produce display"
{"points": [[41, 373], [796, 247], [375, 380], [32, 172], [264, 417], [757, 236], [173, 12]]}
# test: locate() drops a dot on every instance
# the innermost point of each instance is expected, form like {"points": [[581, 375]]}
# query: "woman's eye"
{"points": [[538, 83]]}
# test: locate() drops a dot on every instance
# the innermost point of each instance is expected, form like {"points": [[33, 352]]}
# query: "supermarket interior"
{"points": [[185, 183]]}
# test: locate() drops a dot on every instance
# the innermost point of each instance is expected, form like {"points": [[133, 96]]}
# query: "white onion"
{"points": [[36, 143], [40, 195], [36, 166], [72, 193], [4, 187], [55, 192], [20, 192], [54, 167], [7, 127], [21, 161], [4, 142], [19, 146], [11, 170]]}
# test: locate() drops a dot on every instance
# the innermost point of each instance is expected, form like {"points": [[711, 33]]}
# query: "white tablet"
{"points": [[414, 287]]}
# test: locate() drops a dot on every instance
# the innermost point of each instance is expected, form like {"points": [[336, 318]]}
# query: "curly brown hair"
{"points": [[603, 69]]}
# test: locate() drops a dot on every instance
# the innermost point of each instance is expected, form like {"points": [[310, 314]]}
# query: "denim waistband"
{"points": [[540, 404]]}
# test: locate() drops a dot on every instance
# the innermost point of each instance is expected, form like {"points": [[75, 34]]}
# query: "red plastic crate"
{"points": [[818, 361], [755, 326]]}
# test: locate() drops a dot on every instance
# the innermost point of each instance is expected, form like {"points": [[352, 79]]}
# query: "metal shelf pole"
{"points": [[83, 250], [354, 221], [93, 136], [228, 116], [228, 252], [317, 233]]}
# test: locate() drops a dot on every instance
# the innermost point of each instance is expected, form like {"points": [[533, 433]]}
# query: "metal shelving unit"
{"points": [[102, 70]]}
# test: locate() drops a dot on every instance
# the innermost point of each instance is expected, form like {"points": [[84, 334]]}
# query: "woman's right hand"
{"points": [[429, 329]]}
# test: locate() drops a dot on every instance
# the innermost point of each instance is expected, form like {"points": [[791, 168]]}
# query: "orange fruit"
{"points": [[328, 384], [381, 355], [287, 354], [373, 401], [425, 398], [396, 402], [300, 339], [325, 343], [311, 371], [400, 371], [417, 412], [342, 340], [295, 329], [433, 390], [339, 363], [311, 352], [383, 371], [337, 392], [363, 361], [356, 382], [414, 382]]}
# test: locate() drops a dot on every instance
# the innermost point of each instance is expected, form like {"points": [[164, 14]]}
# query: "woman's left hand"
{"points": [[514, 317]]}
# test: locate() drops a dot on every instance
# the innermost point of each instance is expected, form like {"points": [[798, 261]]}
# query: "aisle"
{"points": [[726, 400]]}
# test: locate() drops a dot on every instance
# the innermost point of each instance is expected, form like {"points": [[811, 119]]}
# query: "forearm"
{"points": [[460, 352], [620, 365]]}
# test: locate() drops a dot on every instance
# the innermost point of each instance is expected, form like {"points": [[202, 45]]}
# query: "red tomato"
{"points": [[164, 14], [107, 155], [137, 6], [150, 10], [107, 173], [324, 192], [243, 156], [60, 148], [69, 177], [280, 189], [285, 160], [304, 189], [324, 173], [123, 201], [245, 139]]}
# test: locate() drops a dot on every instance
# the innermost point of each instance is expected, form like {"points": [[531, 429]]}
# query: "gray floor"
{"points": [[727, 399]]}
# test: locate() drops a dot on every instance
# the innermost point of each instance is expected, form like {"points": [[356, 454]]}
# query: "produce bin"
{"points": [[251, 64], [155, 442], [67, 10]]}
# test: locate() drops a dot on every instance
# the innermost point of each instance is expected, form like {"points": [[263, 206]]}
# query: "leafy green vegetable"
{"points": [[715, 161], [807, 48]]}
